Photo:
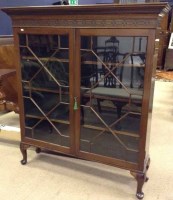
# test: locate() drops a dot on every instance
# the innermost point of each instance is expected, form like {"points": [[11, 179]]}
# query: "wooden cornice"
{"points": [[97, 9]]}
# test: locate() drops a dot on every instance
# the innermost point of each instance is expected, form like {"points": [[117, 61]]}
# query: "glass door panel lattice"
{"points": [[112, 76], [45, 84]]}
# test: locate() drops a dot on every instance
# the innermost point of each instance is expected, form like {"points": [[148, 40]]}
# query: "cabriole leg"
{"points": [[140, 182], [23, 148], [140, 178]]}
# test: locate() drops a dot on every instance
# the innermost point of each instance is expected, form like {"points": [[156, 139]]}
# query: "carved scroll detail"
{"points": [[98, 23]]}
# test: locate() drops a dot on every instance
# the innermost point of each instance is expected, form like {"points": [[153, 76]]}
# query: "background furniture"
{"points": [[169, 60], [164, 35], [50, 44], [7, 102], [163, 32], [8, 82]]}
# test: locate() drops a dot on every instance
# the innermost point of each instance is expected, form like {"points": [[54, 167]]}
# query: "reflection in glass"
{"points": [[112, 76], [45, 82]]}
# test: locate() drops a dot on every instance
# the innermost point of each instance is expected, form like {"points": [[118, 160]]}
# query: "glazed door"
{"points": [[112, 69], [46, 64]]}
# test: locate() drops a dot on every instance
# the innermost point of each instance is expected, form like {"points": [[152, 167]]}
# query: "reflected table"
{"points": [[5, 103]]}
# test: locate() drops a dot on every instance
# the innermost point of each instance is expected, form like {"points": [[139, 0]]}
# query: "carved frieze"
{"points": [[81, 23]]}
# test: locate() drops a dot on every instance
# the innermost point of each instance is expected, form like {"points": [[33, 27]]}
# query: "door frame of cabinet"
{"points": [[48, 31], [146, 111], [74, 59], [74, 49]]}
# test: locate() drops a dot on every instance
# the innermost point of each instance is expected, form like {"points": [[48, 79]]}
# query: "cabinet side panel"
{"points": [[148, 100]]}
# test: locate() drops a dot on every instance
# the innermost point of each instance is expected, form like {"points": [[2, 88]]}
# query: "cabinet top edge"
{"points": [[97, 9]]}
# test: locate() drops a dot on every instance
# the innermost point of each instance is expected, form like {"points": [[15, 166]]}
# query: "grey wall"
{"points": [[5, 21]]}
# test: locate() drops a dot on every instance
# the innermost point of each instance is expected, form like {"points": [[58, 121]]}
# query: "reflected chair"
{"points": [[125, 91]]}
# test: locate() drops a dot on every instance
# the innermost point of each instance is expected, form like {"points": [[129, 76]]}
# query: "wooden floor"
{"points": [[166, 75]]}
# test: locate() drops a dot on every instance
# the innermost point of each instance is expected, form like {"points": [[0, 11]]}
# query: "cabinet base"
{"points": [[140, 177]]}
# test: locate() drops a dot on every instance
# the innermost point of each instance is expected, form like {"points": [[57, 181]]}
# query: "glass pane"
{"points": [[112, 75], [45, 81]]}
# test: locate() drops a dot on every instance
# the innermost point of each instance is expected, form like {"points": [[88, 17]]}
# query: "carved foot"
{"points": [[23, 148], [140, 195], [23, 161], [37, 150]]}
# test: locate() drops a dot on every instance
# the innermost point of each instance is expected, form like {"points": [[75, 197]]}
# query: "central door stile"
{"points": [[72, 70], [77, 95]]}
